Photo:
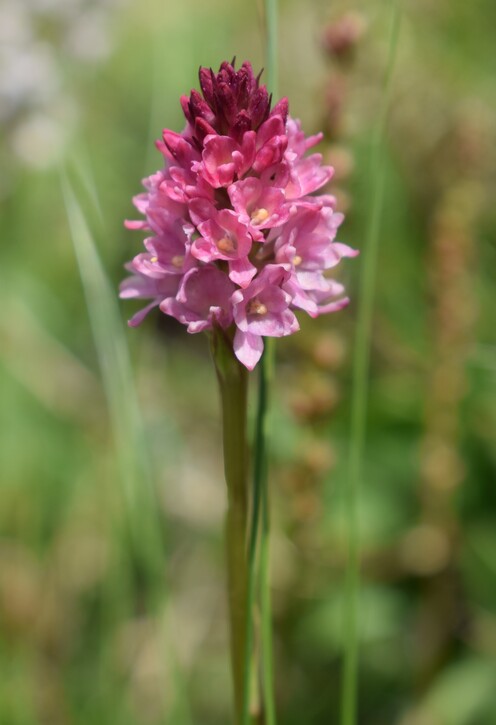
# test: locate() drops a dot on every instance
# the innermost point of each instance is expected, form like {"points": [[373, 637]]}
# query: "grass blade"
{"points": [[146, 535], [361, 362]]}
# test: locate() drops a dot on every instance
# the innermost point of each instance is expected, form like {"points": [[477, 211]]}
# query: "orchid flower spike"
{"points": [[238, 238]]}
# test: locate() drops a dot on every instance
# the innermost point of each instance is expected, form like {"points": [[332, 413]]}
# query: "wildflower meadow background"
{"points": [[112, 499]]}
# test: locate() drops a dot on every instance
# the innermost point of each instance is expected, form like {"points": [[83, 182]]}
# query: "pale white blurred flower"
{"points": [[28, 79], [36, 102], [38, 141], [89, 39], [15, 24]]}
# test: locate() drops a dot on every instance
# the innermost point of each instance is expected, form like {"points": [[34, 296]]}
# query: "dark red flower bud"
{"points": [[178, 146], [184, 100], [200, 108], [233, 102], [226, 70], [259, 106], [241, 125], [207, 79], [203, 128], [245, 85], [227, 102], [281, 109]]}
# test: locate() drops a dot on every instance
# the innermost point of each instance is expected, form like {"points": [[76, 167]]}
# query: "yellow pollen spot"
{"points": [[297, 260], [178, 260], [255, 307], [153, 259], [225, 245], [259, 215]]}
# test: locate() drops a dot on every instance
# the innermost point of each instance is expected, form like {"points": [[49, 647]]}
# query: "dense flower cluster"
{"points": [[237, 239]]}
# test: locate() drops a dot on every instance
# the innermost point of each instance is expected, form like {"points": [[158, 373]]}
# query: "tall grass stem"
{"points": [[140, 497], [260, 497], [266, 376], [271, 53], [118, 382], [361, 364]]}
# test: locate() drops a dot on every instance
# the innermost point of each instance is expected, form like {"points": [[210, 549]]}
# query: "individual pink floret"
{"points": [[160, 211], [224, 159], [258, 205], [140, 287], [307, 242], [225, 237], [262, 310], [203, 299], [271, 144], [167, 253]]}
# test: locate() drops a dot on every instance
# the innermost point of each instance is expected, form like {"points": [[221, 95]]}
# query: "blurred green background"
{"points": [[112, 605]]}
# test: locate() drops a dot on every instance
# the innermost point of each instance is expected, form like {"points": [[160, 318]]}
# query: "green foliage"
{"points": [[112, 606]]}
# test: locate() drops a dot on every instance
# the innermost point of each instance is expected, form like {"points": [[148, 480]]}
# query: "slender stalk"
{"points": [[259, 464], [146, 535], [266, 604], [233, 385], [269, 362], [260, 482], [271, 45], [361, 363]]}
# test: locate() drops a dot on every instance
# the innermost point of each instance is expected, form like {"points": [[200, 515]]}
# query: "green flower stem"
{"points": [[258, 464], [266, 604], [233, 385], [266, 375]]}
